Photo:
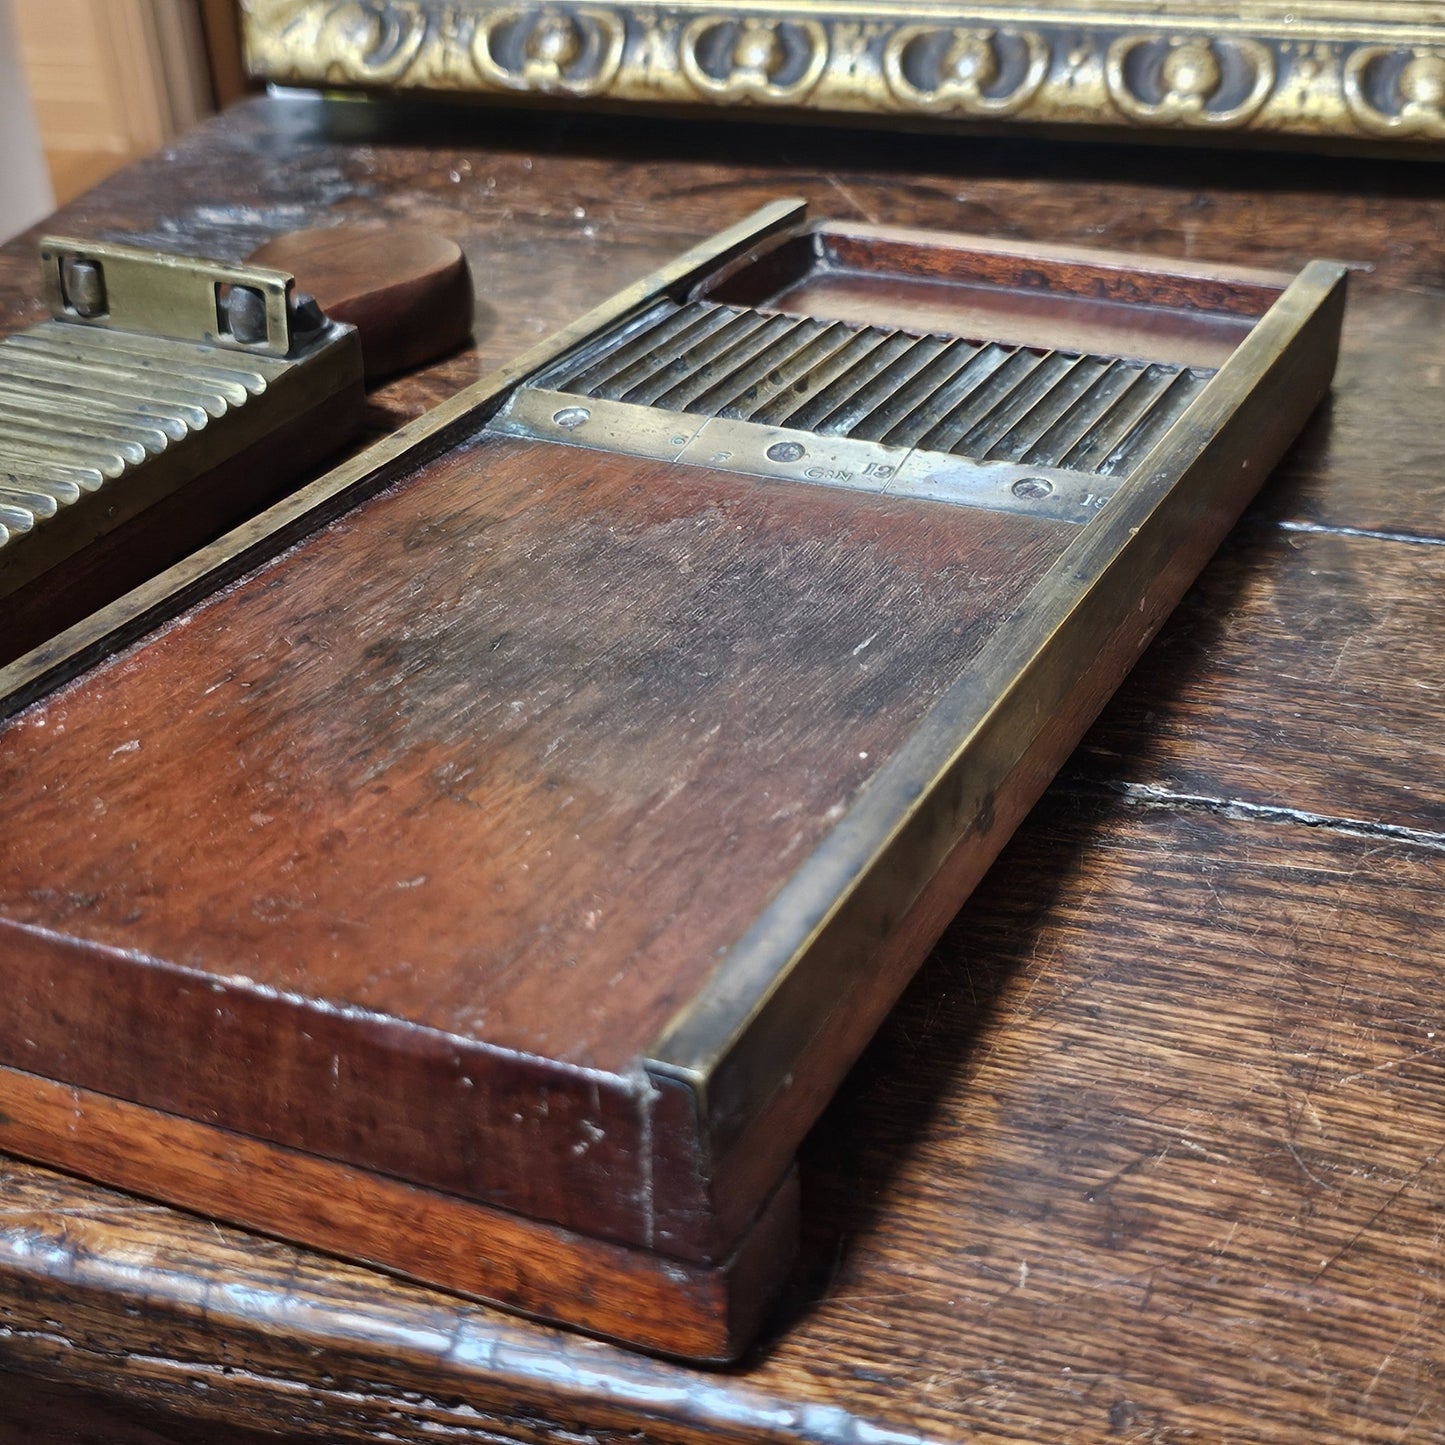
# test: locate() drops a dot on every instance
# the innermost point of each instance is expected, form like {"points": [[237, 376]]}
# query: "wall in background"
{"points": [[24, 184], [111, 80]]}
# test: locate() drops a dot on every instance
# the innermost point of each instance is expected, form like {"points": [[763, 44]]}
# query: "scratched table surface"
{"points": [[1151, 1148]]}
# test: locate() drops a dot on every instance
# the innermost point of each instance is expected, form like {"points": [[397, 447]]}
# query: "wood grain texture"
{"points": [[1302, 673], [1179, 1059], [1044, 1203], [41, 1413], [703, 1312], [774, 597], [408, 291], [405, 912]]}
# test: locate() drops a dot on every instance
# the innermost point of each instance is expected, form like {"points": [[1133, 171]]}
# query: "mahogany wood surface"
{"points": [[1150, 1148], [562, 591], [519, 865], [407, 290], [704, 1312]]}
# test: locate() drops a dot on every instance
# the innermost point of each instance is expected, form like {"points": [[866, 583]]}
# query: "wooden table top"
{"points": [[1150, 1149]]}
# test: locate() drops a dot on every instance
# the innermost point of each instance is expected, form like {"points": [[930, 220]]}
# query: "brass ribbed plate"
{"points": [[970, 422], [983, 400], [81, 409]]}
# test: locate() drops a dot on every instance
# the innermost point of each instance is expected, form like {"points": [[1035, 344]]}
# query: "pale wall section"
{"points": [[25, 194], [111, 80]]}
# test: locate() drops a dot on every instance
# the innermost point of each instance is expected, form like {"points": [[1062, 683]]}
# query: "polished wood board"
{"points": [[507, 883], [1279, 728], [553, 826]]}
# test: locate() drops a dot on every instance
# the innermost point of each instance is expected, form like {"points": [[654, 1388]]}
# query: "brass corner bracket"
{"points": [[1341, 70]]}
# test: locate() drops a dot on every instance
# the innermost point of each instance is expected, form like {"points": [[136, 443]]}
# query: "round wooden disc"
{"points": [[408, 291]]}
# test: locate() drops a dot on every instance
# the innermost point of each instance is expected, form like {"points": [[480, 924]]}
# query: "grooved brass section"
{"points": [[984, 400], [154, 370], [136, 364], [81, 409], [1371, 70], [871, 408]]}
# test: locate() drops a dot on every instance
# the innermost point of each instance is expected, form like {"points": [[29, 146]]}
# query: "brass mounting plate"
{"points": [[786, 455], [164, 295]]}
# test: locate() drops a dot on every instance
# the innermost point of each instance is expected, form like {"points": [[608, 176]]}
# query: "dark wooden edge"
{"points": [[987, 749], [749, 280], [401, 347], [1072, 271], [436, 1092], [221, 26], [696, 1312]]}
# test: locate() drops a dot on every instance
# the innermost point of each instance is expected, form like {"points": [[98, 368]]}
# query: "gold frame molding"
{"points": [[1345, 70]]}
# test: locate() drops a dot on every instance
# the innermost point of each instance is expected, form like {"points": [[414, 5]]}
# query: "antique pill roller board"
{"points": [[168, 397], [161, 390], [487, 862]]}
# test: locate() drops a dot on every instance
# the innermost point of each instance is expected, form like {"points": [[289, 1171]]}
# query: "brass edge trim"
{"points": [[88, 642], [997, 707], [1369, 71]]}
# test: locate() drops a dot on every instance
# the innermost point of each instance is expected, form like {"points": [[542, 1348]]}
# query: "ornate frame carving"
{"points": [[1331, 69]]}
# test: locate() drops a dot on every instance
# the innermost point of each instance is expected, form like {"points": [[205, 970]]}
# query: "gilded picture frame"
{"points": [[1329, 70]]}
